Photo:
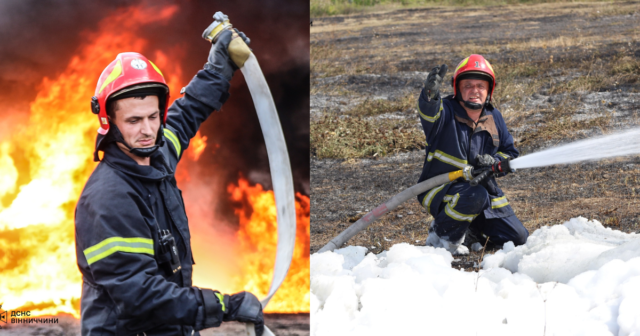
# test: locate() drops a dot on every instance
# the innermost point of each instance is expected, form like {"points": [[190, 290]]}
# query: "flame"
{"points": [[45, 163], [258, 239], [197, 146]]}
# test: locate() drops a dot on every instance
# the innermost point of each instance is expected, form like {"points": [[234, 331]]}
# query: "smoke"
{"points": [[39, 38]]}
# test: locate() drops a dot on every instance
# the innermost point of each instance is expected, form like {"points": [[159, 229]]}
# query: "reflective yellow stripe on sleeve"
{"points": [[499, 202], [446, 158], [112, 245], [503, 155], [426, 117], [174, 140], [221, 299]]}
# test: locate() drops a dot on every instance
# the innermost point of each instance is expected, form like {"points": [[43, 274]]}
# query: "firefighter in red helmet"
{"points": [[465, 129], [132, 236], [129, 75]]}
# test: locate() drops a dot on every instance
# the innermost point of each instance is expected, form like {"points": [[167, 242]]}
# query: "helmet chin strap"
{"points": [[141, 152], [472, 106]]}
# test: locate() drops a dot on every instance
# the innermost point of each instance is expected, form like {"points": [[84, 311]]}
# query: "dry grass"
{"points": [[613, 10], [356, 137], [324, 60], [558, 126], [342, 7], [560, 65], [372, 107], [328, 59], [599, 75], [518, 81]]}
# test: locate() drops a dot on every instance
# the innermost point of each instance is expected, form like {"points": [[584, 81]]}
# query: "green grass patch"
{"points": [[356, 137]]}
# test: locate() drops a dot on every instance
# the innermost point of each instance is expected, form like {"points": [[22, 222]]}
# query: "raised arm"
{"points": [[206, 92], [430, 106]]}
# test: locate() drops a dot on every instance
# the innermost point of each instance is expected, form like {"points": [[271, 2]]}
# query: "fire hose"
{"points": [[475, 176], [279, 164]]}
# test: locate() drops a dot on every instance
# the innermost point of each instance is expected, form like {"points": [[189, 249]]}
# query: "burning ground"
{"points": [[47, 135], [565, 72]]}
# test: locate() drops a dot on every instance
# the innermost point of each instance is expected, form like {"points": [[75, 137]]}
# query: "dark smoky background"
{"points": [[38, 38]]}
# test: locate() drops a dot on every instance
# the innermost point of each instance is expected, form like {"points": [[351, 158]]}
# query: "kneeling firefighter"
{"points": [[132, 237], [465, 129]]}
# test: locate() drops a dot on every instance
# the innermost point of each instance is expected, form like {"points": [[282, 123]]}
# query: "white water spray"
{"points": [[619, 144]]}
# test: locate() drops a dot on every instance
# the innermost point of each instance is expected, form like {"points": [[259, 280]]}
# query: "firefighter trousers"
{"points": [[461, 206]]}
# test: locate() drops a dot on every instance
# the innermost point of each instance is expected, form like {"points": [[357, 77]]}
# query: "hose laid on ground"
{"points": [[393, 203], [279, 165]]}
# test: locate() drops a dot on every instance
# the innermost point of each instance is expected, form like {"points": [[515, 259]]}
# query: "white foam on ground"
{"points": [[578, 278]]}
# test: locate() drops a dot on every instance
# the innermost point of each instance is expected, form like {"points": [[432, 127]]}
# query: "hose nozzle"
{"points": [[220, 22], [238, 50], [503, 166]]}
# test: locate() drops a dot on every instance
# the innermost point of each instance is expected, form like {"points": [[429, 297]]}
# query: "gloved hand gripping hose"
{"points": [[276, 150], [483, 173]]}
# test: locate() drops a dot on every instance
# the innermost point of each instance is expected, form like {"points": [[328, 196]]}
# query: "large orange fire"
{"points": [[256, 240], [45, 163]]}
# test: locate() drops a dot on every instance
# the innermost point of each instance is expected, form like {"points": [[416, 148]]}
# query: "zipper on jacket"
{"points": [[473, 131]]}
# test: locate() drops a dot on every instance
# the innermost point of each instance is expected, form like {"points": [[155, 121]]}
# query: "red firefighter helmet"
{"points": [[128, 70], [474, 67]]}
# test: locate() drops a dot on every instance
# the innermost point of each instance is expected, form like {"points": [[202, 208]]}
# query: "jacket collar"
{"points": [[485, 121], [118, 160]]}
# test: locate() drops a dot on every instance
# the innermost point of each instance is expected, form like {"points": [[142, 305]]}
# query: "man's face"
{"points": [[474, 90], [138, 120]]}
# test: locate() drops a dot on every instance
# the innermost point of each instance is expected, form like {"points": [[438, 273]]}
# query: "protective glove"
{"points": [[485, 160], [245, 307], [215, 307], [219, 60], [483, 173], [434, 81]]}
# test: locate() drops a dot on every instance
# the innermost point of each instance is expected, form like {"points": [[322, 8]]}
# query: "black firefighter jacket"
{"points": [[128, 288]]}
